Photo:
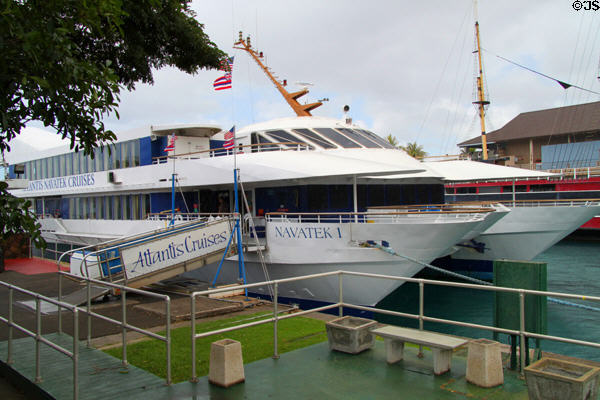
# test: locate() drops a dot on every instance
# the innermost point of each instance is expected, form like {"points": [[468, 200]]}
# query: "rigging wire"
{"points": [[442, 75], [583, 56], [564, 85], [448, 131]]}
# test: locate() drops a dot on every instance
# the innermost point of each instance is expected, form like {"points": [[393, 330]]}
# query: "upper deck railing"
{"points": [[534, 203], [423, 214], [222, 151]]}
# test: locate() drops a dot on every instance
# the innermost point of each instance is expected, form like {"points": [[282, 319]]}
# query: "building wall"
{"points": [[519, 150]]}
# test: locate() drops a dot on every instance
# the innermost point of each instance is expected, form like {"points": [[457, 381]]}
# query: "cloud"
{"points": [[404, 68]]}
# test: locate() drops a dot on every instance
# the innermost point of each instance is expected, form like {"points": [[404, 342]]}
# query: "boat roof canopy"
{"points": [[196, 130], [462, 170]]}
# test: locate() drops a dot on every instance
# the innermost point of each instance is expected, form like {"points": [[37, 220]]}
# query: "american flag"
{"points": [[171, 143], [226, 64], [229, 138], [223, 82]]}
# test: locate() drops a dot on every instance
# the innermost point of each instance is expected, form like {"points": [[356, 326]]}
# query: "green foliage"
{"points": [[15, 218], [257, 343], [414, 150], [392, 140], [65, 61]]}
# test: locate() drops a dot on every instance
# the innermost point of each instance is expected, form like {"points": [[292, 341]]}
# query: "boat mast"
{"points": [[302, 110], [481, 101]]}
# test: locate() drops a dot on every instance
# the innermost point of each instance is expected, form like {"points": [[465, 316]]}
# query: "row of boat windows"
{"points": [[134, 206], [327, 138], [500, 189], [121, 155]]}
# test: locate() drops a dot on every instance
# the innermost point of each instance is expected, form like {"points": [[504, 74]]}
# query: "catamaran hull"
{"points": [[296, 248], [526, 232]]}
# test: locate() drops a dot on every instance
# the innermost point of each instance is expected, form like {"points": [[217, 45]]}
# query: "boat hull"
{"points": [[295, 248], [526, 232]]}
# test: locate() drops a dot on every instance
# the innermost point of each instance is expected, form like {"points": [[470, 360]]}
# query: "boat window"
{"points": [[313, 137], [285, 137], [489, 189], [136, 153], [55, 164], [376, 138], [317, 198], [360, 138], [336, 137], [257, 138], [542, 188], [518, 188]]}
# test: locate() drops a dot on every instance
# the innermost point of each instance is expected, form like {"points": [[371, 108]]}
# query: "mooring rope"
{"points": [[471, 279]]}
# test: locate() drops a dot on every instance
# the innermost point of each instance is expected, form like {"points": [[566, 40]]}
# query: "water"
{"points": [[573, 267]]}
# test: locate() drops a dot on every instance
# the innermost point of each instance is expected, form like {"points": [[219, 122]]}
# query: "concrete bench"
{"points": [[440, 345]]}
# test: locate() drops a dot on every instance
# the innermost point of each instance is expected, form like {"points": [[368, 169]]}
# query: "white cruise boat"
{"points": [[319, 174]]}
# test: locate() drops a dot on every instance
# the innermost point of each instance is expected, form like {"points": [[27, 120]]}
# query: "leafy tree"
{"points": [[16, 218], [392, 140], [414, 150], [65, 61]]}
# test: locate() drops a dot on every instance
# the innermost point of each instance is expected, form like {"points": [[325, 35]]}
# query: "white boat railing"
{"points": [[222, 151], [421, 317], [532, 203], [551, 203], [380, 217]]}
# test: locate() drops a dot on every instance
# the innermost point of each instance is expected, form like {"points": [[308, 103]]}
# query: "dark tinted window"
{"points": [[376, 138], [360, 138], [339, 197], [285, 137], [261, 140], [336, 137], [317, 198], [313, 137]]}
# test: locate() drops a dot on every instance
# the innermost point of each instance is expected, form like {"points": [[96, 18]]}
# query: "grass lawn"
{"points": [[257, 343]]}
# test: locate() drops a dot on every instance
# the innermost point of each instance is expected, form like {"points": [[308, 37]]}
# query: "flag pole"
{"points": [[173, 194]]}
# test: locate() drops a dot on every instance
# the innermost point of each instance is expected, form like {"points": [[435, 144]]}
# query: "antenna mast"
{"points": [[481, 102], [302, 110]]}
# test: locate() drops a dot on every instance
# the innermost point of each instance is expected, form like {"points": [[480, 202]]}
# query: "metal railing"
{"points": [[421, 317], [379, 217], [37, 335], [123, 290], [222, 151]]}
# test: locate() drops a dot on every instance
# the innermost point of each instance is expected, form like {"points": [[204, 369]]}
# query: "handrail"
{"points": [[123, 323], [368, 213], [37, 335], [222, 151], [559, 202], [143, 238], [420, 316]]}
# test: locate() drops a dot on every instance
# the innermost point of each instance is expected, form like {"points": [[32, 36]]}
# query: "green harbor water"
{"points": [[573, 267]]}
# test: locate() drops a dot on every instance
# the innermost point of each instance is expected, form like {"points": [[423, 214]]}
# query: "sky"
{"points": [[404, 68]]}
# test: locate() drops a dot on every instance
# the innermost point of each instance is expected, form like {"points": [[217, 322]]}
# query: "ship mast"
{"points": [[481, 101], [302, 110]]}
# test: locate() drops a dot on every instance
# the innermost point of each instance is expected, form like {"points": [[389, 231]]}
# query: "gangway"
{"points": [[143, 259]]}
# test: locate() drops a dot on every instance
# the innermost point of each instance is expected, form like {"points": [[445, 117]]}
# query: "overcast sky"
{"points": [[404, 68]]}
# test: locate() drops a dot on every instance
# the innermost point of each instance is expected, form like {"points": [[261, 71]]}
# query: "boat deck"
{"points": [[311, 372]]}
